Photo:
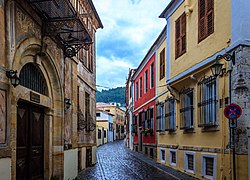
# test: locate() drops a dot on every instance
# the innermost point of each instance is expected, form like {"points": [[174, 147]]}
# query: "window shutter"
{"points": [[210, 17], [177, 38], [183, 33], [202, 24], [166, 115], [206, 18]]}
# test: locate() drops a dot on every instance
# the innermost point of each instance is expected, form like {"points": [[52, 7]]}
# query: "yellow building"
{"points": [[118, 118], [193, 133]]}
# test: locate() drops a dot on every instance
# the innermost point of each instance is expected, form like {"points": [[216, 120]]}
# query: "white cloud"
{"points": [[132, 25]]}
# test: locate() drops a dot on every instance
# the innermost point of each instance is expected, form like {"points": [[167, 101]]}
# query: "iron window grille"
{"points": [[207, 103], [186, 109], [170, 116], [32, 78], [190, 161]]}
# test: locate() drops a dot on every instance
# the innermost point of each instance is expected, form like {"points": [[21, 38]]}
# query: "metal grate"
{"points": [[207, 103], [62, 20], [32, 78]]}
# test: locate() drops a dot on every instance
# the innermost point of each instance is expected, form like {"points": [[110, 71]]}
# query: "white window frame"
{"points": [[186, 153], [161, 159], [203, 163], [170, 157]]}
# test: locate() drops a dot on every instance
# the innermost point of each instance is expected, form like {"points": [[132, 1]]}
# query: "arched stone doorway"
{"points": [[39, 106]]}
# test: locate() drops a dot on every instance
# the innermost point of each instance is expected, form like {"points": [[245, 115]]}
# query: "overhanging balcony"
{"points": [[63, 22]]}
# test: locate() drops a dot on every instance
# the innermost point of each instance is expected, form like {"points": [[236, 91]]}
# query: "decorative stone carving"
{"points": [[26, 24]]}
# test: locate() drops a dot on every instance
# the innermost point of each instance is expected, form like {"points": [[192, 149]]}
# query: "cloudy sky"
{"points": [[130, 28]]}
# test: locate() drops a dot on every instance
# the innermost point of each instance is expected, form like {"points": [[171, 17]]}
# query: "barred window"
{"points": [[170, 116], [207, 102], [186, 109]]}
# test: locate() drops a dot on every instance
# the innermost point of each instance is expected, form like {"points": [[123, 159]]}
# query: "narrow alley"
{"points": [[115, 161]]}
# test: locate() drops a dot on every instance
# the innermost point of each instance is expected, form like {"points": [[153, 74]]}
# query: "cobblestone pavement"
{"points": [[116, 162]]}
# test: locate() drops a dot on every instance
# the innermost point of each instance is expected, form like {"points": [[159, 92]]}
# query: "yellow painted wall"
{"points": [[102, 124], [162, 82], [196, 52]]}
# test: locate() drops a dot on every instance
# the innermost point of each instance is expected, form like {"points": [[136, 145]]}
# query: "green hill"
{"points": [[111, 95]]}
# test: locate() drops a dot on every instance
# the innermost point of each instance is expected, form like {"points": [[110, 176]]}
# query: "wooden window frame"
{"points": [[205, 19], [180, 36], [162, 64]]}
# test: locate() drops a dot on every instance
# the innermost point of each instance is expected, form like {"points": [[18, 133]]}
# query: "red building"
{"points": [[144, 120]]}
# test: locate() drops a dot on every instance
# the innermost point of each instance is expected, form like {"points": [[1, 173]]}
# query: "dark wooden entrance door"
{"points": [[30, 142]]}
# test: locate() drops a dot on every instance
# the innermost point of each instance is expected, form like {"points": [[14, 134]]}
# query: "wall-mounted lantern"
{"points": [[67, 103], [216, 68], [14, 79]]}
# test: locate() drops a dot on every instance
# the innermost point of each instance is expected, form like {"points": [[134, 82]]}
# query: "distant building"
{"points": [[104, 122], [118, 118]]}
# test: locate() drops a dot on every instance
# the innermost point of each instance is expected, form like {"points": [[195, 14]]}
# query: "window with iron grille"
{"points": [[207, 102], [162, 64], [186, 109], [160, 117], [110, 126], [170, 116], [209, 163], [146, 81], [32, 78], [189, 162], [172, 157], [209, 166], [190, 159], [205, 19], [152, 75], [163, 155], [180, 36]]}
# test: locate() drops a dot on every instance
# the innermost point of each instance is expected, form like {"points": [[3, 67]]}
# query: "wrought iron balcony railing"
{"points": [[63, 21]]}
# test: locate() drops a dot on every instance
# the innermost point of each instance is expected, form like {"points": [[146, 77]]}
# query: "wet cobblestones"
{"points": [[116, 162]]}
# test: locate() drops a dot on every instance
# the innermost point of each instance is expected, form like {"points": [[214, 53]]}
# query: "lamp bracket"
{"points": [[227, 57]]}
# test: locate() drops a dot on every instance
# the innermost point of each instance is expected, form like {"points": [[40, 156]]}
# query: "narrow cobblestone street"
{"points": [[115, 161]]}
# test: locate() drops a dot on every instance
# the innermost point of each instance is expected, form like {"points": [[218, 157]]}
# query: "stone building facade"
{"points": [[47, 118]]}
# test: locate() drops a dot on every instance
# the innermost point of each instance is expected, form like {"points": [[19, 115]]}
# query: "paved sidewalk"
{"points": [[173, 172]]}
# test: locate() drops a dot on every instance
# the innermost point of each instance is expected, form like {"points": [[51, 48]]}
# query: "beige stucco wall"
{"points": [[5, 170], [70, 164]]}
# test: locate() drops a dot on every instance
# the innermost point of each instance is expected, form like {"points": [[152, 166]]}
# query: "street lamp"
{"points": [[14, 79], [216, 69]]}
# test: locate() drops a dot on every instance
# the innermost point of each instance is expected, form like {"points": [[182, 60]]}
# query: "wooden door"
{"points": [[30, 142]]}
